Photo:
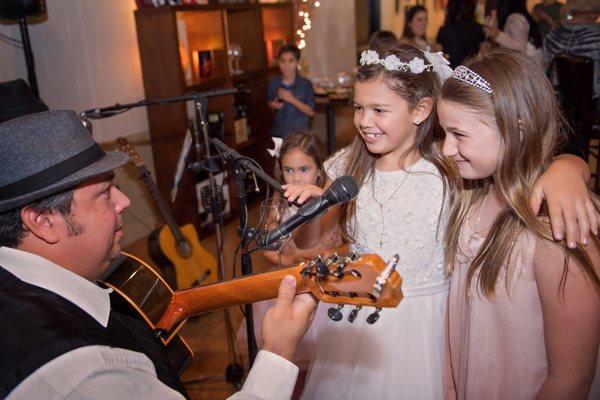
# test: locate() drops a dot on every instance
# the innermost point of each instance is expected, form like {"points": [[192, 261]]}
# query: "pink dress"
{"points": [[497, 346]]}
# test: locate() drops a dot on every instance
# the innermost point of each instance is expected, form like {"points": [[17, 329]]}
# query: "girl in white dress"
{"points": [[402, 209]]}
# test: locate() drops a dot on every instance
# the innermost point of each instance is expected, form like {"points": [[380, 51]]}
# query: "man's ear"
{"points": [[43, 225], [422, 110]]}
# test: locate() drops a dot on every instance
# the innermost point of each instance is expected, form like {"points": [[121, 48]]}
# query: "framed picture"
{"points": [[273, 49], [203, 59]]}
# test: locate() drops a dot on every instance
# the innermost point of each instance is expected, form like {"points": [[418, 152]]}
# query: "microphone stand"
{"points": [[241, 166], [234, 372]]}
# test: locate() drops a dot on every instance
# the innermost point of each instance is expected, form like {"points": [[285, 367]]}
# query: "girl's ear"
{"points": [[422, 110]]}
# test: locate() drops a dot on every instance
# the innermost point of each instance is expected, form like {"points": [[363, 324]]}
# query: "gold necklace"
{"points": [[380, 204], [477, 230]]}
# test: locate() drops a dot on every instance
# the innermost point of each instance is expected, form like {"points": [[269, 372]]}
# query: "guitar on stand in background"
{"points": [[176, 250]]}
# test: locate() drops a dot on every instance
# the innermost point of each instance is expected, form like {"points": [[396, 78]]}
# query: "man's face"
{"points": [[93, 232]]}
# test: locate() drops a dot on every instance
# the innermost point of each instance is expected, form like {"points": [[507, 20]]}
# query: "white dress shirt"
{"points": [[102, 372]]}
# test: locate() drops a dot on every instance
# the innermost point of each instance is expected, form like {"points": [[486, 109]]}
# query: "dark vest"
{"points": [[39, 325]]}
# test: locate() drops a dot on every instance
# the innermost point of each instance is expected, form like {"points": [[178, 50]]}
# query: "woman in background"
{"points": [[415, 29]]}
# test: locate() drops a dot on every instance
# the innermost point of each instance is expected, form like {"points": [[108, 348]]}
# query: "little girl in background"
{"points": [[402, 208], [298, 160], [524, 310], [290, 95]]}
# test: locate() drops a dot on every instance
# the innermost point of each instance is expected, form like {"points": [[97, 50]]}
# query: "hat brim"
{"points": [[110, 161]]}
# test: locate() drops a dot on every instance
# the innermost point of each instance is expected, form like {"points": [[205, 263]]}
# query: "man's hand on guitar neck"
{"points": [[287, 322]]}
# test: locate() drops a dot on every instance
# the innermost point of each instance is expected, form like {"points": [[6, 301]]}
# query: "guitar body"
{"points": [[144, 293], [181, 272], [176, 250]]}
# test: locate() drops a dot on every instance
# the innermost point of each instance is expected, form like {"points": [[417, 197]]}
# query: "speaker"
{"points": [[17, 99], [13, 9]]}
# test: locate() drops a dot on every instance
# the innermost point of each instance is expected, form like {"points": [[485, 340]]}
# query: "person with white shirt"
{"points": [[61, 222]]}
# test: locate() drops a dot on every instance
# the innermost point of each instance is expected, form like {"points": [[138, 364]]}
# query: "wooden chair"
{"points": [[576, 91]]}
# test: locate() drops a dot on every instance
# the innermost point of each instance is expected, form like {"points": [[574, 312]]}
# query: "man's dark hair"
{"points": [[12, 229], [289, 48], [460, 12]]}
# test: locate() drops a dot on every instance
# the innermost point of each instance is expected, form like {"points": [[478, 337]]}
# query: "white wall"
{"points": [[331, 42], [86, 56]]}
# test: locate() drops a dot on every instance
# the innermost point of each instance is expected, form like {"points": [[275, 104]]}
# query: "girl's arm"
{"points": [[309, 235], [564, 187], [288, 96], [571, 322]]}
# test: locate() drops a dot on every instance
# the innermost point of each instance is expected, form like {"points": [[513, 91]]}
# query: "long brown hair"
{"points": [[524, 107], [310, 145], [411, 87]]}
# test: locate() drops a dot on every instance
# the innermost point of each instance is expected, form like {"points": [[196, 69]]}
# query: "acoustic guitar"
{"points": [[364, 281], [176, 250]]}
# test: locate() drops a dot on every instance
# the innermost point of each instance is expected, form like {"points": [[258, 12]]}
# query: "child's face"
{"points": [[288, 64], [418, 25], [383, 118], [298, 168], [472, 141]]}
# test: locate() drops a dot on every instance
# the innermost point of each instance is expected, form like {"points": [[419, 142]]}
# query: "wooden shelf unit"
{"points": [[168, 38]]}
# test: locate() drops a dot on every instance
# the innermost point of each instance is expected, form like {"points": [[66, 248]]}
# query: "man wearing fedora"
{"points": [[61, 222]]}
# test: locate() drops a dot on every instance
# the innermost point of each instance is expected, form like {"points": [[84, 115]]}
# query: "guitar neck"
{"points": [[163, 207], [244, 290]]}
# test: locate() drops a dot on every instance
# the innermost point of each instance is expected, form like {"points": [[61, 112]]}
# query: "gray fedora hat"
{"points": [[46, 153]]}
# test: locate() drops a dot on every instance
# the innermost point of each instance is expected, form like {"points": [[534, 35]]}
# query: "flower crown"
{"points": [[471, 77], [436, 63]]}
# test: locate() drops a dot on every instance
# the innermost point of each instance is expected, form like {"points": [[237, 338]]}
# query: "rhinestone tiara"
{"points": [[471, 77]]}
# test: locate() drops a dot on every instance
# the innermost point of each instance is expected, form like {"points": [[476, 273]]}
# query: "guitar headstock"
{"points": [[128, 149], [355, 280]]}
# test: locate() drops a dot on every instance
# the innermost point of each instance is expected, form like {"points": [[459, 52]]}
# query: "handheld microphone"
{"points": [[343, 189]]}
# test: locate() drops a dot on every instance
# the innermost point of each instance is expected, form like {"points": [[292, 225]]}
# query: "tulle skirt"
{"points": [[401, 356]]}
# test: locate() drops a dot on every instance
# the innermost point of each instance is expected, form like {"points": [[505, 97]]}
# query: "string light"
{"points": [[303, 23]]}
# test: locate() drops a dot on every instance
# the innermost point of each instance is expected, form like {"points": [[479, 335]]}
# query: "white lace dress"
{"points": [[401, 356]]}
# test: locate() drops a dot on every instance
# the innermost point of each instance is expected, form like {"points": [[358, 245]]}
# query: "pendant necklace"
{"points": [[380, 204]]}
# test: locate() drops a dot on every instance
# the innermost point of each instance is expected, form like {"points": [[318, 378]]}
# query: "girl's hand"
{"points": [[276, 104], [285, 95], [301, 193], [570, 207], [491, 31]]}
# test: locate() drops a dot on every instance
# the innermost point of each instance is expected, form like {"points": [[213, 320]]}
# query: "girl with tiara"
{"points": [[524, 310], [402, 208]]}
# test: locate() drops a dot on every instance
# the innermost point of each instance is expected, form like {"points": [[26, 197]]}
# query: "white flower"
{"points": [[369, 57], [392, 63], [416, 65]]}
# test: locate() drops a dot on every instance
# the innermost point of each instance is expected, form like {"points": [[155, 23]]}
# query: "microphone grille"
{"points": [[343, 189]]}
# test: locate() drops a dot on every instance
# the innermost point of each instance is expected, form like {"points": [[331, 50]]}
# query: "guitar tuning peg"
{"points": [[332, 259], [354, 256], [372, 318], [335, 313], [354, 313], [322, 270]]}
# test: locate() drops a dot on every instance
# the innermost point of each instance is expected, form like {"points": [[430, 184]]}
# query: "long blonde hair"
{"points": [[411, 87], [530, 124]]}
